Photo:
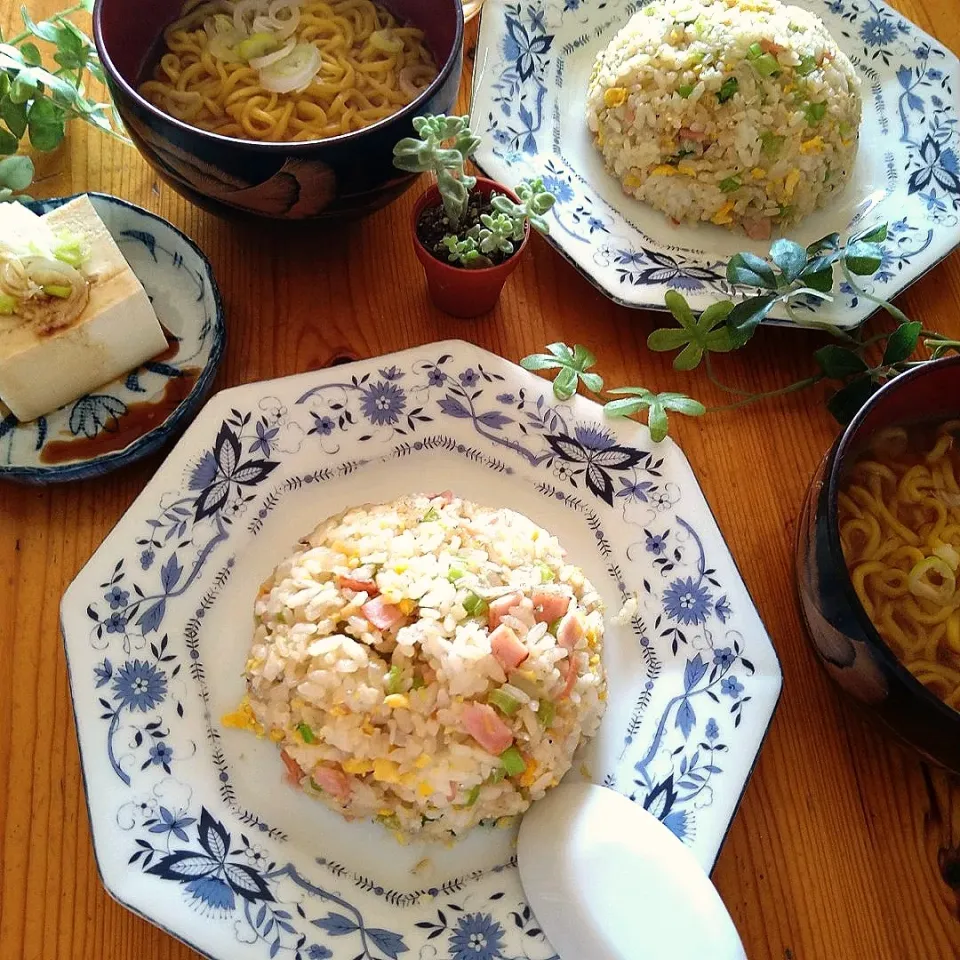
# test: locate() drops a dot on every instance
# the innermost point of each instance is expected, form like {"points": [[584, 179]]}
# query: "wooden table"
{"points": [[845, 846]]}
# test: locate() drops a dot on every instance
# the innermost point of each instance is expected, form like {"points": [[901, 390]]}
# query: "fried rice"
{"points": [[429, 663], [742, 113]]}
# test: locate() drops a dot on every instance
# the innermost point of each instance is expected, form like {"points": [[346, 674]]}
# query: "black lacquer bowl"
{"points": [[340, 177], [849, 647]]}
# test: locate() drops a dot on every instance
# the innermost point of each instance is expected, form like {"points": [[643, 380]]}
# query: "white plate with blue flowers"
{"points": [[534, 58], [191, 826], [134, 415]]}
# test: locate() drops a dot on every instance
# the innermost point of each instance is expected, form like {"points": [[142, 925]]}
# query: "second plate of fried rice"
{"points": [[678, 133]]}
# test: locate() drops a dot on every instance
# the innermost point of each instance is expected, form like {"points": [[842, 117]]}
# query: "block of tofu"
{"points": [[20, 225], [45, 362]]}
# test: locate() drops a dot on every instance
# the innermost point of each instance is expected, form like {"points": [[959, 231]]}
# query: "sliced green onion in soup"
{"points": [[294, 71], [257, 46], [754, 51], [815, 112], [948, 554], [513, 763], [547, 713], [933, 579], [386, 41], [806, 66], [474, 605], [503, 701], [306, 733]]}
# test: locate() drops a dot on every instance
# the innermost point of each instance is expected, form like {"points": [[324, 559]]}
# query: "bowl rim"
{"points": [[286, 147], [835, 460]]}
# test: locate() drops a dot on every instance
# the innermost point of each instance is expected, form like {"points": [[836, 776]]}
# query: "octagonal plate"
{"points": [[533, 63], [191, 826]]}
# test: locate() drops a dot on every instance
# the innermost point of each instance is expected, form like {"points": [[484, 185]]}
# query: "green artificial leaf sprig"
{"points": [[38, 101], [573, 367], [795, 271], [858, 365], [656, 405]]}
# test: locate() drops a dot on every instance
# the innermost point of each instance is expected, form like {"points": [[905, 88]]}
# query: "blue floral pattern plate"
{"points": [[133, 416], [191, 825], [534, 59]]}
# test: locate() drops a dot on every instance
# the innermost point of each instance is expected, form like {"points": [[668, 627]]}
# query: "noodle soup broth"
{"points": [[287, 70], [898, 518], [875, 542], [297, 114]]}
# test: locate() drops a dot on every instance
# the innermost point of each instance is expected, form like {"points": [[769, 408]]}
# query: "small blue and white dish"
{"points": [[133, 416], [532, 66]]}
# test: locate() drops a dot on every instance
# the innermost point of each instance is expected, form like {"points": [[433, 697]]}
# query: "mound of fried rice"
{"points": [[428, 662], [743, 113]]}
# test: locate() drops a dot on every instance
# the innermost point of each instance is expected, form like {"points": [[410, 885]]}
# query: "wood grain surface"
{"points": [[845, 846]]}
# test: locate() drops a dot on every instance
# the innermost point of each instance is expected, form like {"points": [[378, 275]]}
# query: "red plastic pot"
{"points": [[457, 290]]}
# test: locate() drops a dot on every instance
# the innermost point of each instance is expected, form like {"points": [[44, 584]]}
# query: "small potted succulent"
{"points": [[469, 231]]}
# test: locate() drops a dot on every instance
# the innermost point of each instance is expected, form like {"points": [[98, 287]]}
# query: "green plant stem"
{"points": [[939, 340], [894, 312], [747, 397], [69, 12], [708, 366], [756, 397], [823, 327]]}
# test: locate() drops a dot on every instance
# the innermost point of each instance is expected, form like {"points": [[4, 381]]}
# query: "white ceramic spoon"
{"points": [[608, 881]]}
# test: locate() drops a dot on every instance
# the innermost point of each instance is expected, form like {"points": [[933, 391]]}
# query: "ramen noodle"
{"points": [[899, 518], [286, 70]]}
